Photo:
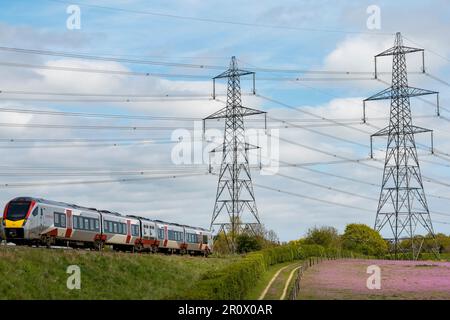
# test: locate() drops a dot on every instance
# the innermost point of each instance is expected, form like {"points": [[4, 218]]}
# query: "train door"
{"points": [[41, 219], [33, 223]]}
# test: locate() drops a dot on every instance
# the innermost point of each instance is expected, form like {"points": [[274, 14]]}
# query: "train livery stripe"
{"points": [[166, 236], [128, 231], [69, 229], [32, 204], [5, 211]]}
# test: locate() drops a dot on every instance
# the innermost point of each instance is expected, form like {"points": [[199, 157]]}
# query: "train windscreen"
{"points": [[17, 210]]}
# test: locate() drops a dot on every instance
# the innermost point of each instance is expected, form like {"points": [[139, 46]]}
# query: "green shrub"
{"points": [[362, 239]]}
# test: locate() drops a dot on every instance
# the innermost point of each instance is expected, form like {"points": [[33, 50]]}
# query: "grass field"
{"points": [[346, 279], [39, 273]]}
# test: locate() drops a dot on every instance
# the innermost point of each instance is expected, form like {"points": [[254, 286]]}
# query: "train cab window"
{"points": [[35, 211]]}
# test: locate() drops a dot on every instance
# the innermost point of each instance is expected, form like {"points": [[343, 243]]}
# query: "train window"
{"points": [[205, 239], [35, 212], [115, 227], [106, 226], [191, 238], [97, 225], [60, 219], [75, 222], [161, 233], [134, 230]]}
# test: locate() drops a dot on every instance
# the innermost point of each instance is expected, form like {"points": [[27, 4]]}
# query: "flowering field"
{"points": [[346, 279]]}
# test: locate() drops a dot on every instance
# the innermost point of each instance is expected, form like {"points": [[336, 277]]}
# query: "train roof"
{"points": [[74, 206]]}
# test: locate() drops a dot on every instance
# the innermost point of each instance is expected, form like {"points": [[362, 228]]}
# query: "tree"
{"points": [[220, 244], [324, 236], [247, 243], [363, 239]]}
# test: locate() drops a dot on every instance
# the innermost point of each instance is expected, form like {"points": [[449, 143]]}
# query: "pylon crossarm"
{"points": [[217, 115], [398, 50], [391, 92], [233, 73], [382, 132], [416, 129]]}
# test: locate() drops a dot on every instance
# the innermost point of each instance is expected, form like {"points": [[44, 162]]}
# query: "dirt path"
{"points": [[279, 284]]}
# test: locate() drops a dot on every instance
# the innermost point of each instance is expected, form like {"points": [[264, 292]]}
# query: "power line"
{"points": [[90, 94], [323, 133], [311, 183], [310, 198], [102, 71], [87, 182]]}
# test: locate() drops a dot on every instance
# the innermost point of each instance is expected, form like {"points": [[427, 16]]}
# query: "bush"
{"points": [[362, 239], [324, 236], [248, 243]]}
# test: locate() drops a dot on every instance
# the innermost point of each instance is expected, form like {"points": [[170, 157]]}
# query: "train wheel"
{"points": [[98, 245], [47, 241]]}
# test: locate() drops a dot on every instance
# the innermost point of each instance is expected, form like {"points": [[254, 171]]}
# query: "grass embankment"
{"points": [[39, 273]]}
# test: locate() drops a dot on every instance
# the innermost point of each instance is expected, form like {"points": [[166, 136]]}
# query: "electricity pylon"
{"points": [[402, 204], [235, 206]]}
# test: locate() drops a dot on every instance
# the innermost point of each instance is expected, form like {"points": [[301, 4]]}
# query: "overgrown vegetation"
{"points": [[259, 239]]}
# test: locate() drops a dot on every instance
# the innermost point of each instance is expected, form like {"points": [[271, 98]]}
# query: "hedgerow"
{"points": [[235, 280]]}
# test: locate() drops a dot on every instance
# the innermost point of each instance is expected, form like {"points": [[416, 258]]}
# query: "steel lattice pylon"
{"points": [[402, 204], [235, 206]]}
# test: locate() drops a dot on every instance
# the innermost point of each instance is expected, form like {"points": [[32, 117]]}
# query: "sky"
{"points": [[294, 35]]}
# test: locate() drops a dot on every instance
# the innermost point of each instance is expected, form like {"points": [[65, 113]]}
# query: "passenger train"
{"points": [[34, 221]]}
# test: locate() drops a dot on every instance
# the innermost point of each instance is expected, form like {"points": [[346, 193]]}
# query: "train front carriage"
{"points": [[21, 220]]}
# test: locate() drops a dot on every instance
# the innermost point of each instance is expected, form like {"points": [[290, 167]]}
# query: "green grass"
{"points": [[39, 273]]}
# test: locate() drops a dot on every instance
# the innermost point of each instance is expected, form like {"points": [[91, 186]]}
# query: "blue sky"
{"points": [[335, 37]]}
